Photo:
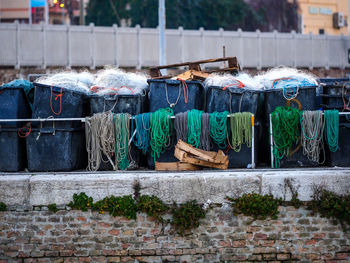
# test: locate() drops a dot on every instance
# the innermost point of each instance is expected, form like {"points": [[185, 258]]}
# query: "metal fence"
{"points": [[90, 46]]}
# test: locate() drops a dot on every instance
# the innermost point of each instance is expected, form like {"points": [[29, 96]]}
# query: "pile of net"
{"points": [[277, 78], [112, 81], [69, 80]]}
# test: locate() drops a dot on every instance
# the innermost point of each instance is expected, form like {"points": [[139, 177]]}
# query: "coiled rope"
{"points": [[241, 130], [332, 129], [180, 125], [218, 128], [312, 126], [121, 124], [143, 126], [194, 127], [161, 129], [100, 139], [205, 138], [285, 129]]}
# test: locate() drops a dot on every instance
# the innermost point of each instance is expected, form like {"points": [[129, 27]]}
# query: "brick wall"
{"points": [[75, 236]]}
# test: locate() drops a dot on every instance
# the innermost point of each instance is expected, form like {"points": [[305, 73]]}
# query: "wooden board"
{"points": [[176, 166], [193, 75], [214, 157], [185, 157]]}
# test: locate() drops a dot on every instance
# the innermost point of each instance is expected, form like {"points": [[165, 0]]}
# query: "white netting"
{"points": [[69, 80], [264, 80], [116, 81], [299, 77]]}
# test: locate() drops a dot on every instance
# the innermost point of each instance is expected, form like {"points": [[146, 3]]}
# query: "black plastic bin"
{"points": [[13, 105], [305, 100], [56, 102], [243, 158], [165, 92], [166, 156], [232, 100], [335, 92], [12, 150], [132, 104], [341, 157], [56, 149]]}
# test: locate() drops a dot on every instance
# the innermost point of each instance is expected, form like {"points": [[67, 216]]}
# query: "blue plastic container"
{"points": [[232, 100], [56, 149], [13, 105], [12, 150], [172, 93], [132, 104], [334, 93], [56, 102]]}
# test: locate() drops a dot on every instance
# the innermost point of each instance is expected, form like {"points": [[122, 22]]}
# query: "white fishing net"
{"points": [[298, 77], [116, 81], [70, 80], [263, 80]]}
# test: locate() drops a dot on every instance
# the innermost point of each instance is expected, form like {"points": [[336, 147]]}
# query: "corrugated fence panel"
{"points": [[31, 45], [127, 47], [80, 46], [8, 44], [56, 46], [104, 46]]}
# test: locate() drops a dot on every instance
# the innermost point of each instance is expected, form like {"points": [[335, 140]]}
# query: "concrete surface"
{"points": [[27, 189]]}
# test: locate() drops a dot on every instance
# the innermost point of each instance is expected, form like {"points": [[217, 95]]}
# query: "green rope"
{"points": [[194, 126], [285, 130], [241, 130], [161, 129], [121, 124], [332, 129], [218, 128]]}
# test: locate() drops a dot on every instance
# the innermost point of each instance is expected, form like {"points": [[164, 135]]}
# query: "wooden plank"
{"points": [[192, 75], [214, 157], [185, 157], [233, 63], [175, 166]]}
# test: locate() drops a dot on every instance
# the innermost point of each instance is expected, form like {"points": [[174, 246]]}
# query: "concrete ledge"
{"points": [[45, 188]]}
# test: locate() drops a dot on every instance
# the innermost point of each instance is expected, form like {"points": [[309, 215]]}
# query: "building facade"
{"points": [[324, 16]]}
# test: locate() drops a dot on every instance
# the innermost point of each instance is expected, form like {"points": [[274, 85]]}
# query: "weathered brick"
{"points": [[239, 243], [114, 232], [269, 256], [283, 256], [113, 259]]}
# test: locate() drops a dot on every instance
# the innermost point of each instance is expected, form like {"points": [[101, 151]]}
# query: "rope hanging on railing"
{"points": [[218, 128], [194, 127], [100, 139], [121, 124], [143, 126], [241, 130], [161, 129], [332, 129], [312, 126], [285, 130], [180, 125], [205, 138]]}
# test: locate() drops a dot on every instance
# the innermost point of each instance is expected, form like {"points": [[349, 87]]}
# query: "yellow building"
{"points": [[324, 16]]}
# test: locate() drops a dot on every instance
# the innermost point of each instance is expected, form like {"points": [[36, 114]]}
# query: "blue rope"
{"points": [[142, 137]]}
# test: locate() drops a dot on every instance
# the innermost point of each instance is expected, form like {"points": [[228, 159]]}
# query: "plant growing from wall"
{"points": [[3, 207], [186, 216], [331, 205], [117, 206], [152, 206], [256, 205], [52, 208], [81, 202]]}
